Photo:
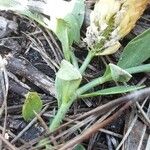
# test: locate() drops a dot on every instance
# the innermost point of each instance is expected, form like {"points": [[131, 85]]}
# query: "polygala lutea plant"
{"points": [[110, 21]]}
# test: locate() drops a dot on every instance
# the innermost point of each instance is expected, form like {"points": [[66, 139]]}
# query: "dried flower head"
{"points": [[110, 21]]}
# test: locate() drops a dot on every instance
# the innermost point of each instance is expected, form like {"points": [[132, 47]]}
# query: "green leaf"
{"points": [[73, 29], [62, 34], [78, 11], [32, 103], [117, 74], [139, 69], [75, 19], [68, 79], [79, 147], [113, 90], [136, 52], [73, 16], [68, 30]]}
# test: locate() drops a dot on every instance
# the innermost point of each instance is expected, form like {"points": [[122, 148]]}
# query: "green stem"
{"points": [[92, 84], [103, 79], [89, 95], [65, 107], [59, 116], [138, 69], [86, 61], [74, 60]]}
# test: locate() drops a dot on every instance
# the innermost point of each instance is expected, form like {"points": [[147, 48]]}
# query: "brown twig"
{"points": [[25, 69], [111, 133]]}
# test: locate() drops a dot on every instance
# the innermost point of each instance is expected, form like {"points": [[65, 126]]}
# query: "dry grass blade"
{"points": [[143, 113], [4, 83], [144, 131], [94, 128], [43, 53], [29, 125], [148, 144], [9, 145], [127, 133], [137, 136]]}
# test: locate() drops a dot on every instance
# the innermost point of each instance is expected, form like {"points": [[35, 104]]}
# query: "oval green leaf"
{"points": [[32, 103]]}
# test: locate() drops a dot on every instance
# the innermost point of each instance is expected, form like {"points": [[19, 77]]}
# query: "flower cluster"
{"points": [[110, 21]]}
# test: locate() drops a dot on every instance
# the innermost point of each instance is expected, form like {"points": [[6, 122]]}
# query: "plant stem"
{"points": [[74, 60], [65, 107], [59, 116], [86, 61], [138, 69], [92, 84]]}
